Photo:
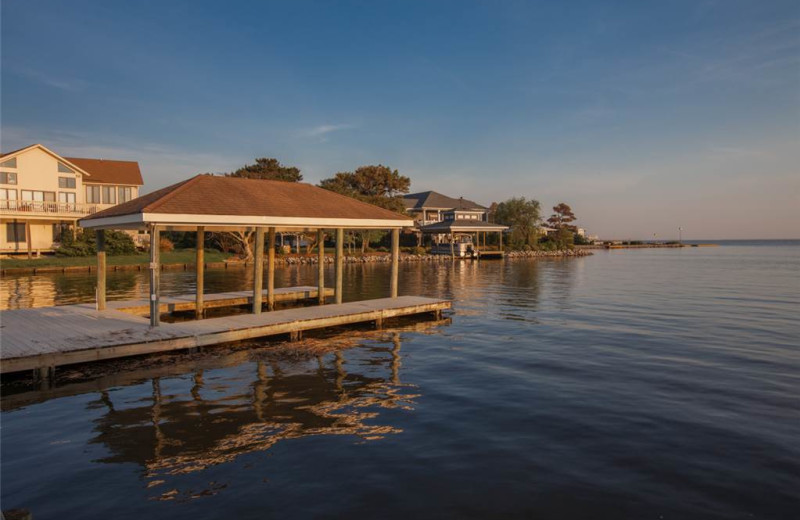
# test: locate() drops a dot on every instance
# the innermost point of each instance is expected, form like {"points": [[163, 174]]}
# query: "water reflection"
{"points": [[181, 425]]}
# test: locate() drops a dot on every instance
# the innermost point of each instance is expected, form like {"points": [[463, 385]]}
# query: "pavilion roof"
{"points": [[209, 200]]}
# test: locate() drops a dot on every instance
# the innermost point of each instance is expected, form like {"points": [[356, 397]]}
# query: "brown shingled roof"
{"points": [[106, 171], [207, 195], [432, 199]]}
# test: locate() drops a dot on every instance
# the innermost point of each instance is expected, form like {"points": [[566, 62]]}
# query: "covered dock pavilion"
{"points": [[477, 230], [206, 203]]}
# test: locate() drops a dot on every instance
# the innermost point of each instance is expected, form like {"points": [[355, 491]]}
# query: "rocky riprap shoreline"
{"points": [[386, 258]]}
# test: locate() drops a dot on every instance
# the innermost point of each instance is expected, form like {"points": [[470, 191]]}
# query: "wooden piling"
{"points": [[258, 270], [339, 259], [321, 266], [271, 270], [155, 275], [395, 262], [200, 272], [101, 270]]}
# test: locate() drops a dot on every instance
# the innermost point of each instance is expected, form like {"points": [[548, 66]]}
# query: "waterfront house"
{"points": [[430, 207], [43, 194]]}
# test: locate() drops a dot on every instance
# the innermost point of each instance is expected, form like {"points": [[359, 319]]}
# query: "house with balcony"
{"points": [[430, 207], [43, 195]]}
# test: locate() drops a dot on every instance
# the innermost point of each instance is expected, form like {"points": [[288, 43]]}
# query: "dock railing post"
{"points": [[395, 261], [101, 270], [200, 270], [321, 266], [155, 275], [258, 270], [271, 270], [339, 264]]}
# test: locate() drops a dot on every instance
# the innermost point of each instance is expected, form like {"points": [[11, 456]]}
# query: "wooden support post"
{"points": [[271, 270], [101, 270], [200, 270], [395, 261], [339, 264], [452, 247], [258, 270], [155, 275], [321, 266], [28, 238], [500, 234]]}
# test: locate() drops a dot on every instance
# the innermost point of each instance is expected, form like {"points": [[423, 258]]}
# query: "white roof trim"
{"points": [[49, 152], [170, 219]]}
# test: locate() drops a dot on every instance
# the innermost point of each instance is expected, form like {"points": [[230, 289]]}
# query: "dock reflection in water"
{"points": [[245, 402]]}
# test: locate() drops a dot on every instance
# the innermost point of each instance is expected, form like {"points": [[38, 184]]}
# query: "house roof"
{"points": [[432, 199], [461, 225], [210, 200], [104, 171], [107, 171]]}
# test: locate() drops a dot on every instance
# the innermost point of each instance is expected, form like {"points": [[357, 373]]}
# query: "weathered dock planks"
{"points": [[42, 338]]}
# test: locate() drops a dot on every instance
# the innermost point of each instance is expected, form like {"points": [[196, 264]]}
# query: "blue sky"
{"points": [[644, 116]]}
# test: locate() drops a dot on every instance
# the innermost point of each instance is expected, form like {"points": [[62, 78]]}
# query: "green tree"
{"points": [[270, 169], [523, 217], [561, 217], [378, 185], [265, 168]]}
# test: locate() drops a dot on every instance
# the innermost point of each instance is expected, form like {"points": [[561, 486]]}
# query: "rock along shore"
{"points": [[386, 258], [287, 260]]}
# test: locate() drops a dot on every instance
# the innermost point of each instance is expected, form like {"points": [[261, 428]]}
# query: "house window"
{"points": [[109, 195], [37, 196], [125, 194], [11, 163], [63, 168], [93, 194], [66, 182], [66, 197], [7, 194], [15, 232], [8, 178]]}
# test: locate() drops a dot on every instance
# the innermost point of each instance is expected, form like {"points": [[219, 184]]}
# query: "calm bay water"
{"points": [[652, 383]]}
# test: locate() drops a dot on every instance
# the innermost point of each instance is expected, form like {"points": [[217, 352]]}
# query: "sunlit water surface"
{"points": [[630, 384]]}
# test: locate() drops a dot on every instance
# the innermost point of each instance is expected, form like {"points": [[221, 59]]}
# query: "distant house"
{"points": [[430, 207], [43, 194]]}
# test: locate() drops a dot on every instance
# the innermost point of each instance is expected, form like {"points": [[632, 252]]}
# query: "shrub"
{"points": [[165, 245], [420, 251], [85, 244]]}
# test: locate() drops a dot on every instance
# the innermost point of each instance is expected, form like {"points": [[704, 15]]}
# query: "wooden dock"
{"points": [[44, 338], [186, 302]]}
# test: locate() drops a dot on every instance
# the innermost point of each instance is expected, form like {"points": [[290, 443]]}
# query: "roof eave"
{"points": [[142, 220]]}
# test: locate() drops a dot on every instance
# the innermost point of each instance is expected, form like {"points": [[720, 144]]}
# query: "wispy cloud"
{"points": [[60, 83], [324, 130]]}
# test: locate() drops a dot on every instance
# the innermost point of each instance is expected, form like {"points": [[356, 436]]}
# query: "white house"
{"points": [[43, 194]]}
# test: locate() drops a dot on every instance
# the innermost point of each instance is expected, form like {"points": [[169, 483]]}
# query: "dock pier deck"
{"points": [[41, 339]]}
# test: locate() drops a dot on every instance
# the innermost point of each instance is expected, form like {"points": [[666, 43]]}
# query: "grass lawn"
{"points": [[178, 256]]}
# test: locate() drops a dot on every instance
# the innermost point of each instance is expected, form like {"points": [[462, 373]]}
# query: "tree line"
{"points": [[382, 186], [376, 184]]}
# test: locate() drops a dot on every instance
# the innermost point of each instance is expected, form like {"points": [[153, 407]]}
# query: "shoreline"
{"points": [[285, 260]]}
